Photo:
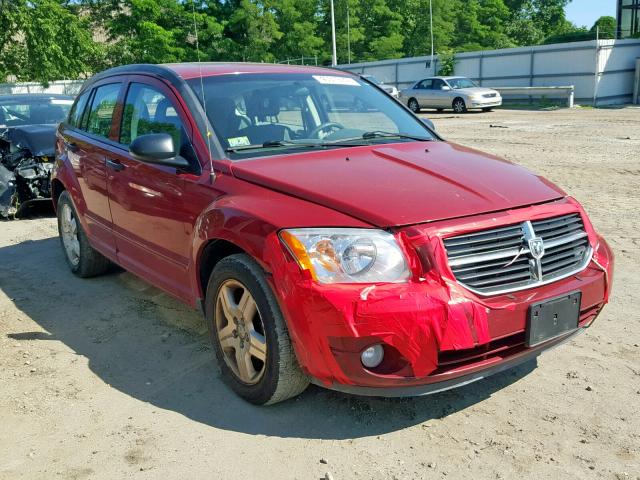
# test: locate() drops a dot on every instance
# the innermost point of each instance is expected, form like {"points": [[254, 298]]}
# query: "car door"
{"points": [[440, 97], [422, 92], [151, 215], [86, 142]]}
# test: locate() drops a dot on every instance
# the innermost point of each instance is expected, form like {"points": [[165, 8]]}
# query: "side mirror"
{"points": [[446, 88], [429, 124], [157, 148]]}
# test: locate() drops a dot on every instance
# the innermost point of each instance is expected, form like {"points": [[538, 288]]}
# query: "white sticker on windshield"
{"points": [[61, 102], [238, 141], [333, 80]]}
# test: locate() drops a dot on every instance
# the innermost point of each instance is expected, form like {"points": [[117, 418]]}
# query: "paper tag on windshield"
{"points": [[238, 141], [57, 101], [332, 80]]}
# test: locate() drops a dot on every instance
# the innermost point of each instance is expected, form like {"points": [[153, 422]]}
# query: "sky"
{"points": [[586, 12]]}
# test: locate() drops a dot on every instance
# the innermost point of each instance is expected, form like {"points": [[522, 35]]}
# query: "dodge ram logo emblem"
{"points": [[536, 247]]}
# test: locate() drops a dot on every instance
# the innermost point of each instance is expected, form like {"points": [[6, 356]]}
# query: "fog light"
{"points": [[372, 356]]}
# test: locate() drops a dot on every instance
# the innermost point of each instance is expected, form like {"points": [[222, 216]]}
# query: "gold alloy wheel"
{"points": [[240, 332]]}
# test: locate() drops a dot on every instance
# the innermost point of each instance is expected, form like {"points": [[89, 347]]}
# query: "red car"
{"points": [[348, 247]]}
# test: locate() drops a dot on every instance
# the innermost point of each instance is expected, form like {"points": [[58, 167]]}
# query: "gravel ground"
{"points": [[109, 378]]}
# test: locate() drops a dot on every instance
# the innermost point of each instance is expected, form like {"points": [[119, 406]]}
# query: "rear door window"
{"points": [[438, 84], [102, 107]]}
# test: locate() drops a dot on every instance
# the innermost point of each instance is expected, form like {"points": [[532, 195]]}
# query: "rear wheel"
{"points": [[459, 106], [413, 105], [81, 257], [249, 335]]}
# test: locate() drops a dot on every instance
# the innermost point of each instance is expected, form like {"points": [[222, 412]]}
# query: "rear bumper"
{"points": [[460, 381]]}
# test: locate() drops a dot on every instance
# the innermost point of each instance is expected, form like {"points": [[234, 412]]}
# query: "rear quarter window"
{"points": [[75, 115]]}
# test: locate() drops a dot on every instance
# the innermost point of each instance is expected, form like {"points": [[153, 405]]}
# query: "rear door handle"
{"points": [[115, 165]]}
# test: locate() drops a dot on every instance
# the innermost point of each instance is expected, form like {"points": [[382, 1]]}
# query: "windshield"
{"points": [[266, 114], [16, 112], [457, 83]]}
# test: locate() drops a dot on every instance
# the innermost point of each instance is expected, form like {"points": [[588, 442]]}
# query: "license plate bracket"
{"points": [[552, 318]]}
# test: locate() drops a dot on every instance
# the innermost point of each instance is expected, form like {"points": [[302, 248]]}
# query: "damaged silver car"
{"points": [[28, 125]]}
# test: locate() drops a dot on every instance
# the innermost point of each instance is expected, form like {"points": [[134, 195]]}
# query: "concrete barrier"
{"points": [[636, 88], [552, 92]]}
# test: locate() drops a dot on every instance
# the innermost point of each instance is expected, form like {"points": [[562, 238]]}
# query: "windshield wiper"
{"points": [[382, 134], [289, 143]]}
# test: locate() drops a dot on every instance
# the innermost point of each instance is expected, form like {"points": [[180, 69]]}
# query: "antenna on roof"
{"points": [[212, 173]]}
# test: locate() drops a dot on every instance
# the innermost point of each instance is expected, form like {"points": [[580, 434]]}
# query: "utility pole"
{"points": [[431, 28], [334, 59], [348, 35]]}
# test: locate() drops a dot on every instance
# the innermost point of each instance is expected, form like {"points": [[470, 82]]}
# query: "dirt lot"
{"points": [[109, 378]]}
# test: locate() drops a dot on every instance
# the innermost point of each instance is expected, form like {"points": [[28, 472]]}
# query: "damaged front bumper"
{"points": [[435, 333], [26, 163], [8, 193]]}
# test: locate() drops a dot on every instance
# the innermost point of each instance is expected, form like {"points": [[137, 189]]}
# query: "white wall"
{"points": [[603, 68], [66, 87]]}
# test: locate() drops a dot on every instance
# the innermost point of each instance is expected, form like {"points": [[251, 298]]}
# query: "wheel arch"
{"points": [[214, 250], [57, 187]]}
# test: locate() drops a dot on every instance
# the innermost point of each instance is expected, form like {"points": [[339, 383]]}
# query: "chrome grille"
{"points": [[501, 259]]}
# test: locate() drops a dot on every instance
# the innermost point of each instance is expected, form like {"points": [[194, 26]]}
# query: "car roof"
{"points": [[36, 96], [187, 71], [444, 78], [209, 69]]}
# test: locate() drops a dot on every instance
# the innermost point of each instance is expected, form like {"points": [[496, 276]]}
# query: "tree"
{"points": [[481, 24], [416, 25], [44, 40], [297, 24], [605, 27], [252, 30]]}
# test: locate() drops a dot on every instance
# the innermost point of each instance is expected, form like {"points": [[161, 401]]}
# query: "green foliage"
{"points": [[51, 39], [605, 27], [43, 40], [447, 62]]}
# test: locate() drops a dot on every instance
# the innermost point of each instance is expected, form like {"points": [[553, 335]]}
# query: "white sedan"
{"points": [[457, 93]]}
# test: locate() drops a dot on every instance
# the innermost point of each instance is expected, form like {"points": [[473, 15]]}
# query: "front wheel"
{"points": [[413, 105], [249, 334], [459, 106], [81, 257]]}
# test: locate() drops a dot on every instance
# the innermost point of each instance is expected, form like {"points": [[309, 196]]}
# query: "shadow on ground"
{"points": [[154, 349]]}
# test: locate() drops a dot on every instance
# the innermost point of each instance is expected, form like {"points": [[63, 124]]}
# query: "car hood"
{"points": [[471, 91], [40, 140], [402, 183]]}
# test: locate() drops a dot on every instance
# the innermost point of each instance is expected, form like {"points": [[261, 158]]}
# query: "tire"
{"points": [[276, 378], [413, 105], [487, 109], [459, 106], [81, 257]]}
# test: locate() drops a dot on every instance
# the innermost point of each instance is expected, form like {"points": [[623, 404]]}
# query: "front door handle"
{"points": [[115, 165]]}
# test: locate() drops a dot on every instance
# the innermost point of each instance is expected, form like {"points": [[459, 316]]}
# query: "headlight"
{"points": [[347, 255]]}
